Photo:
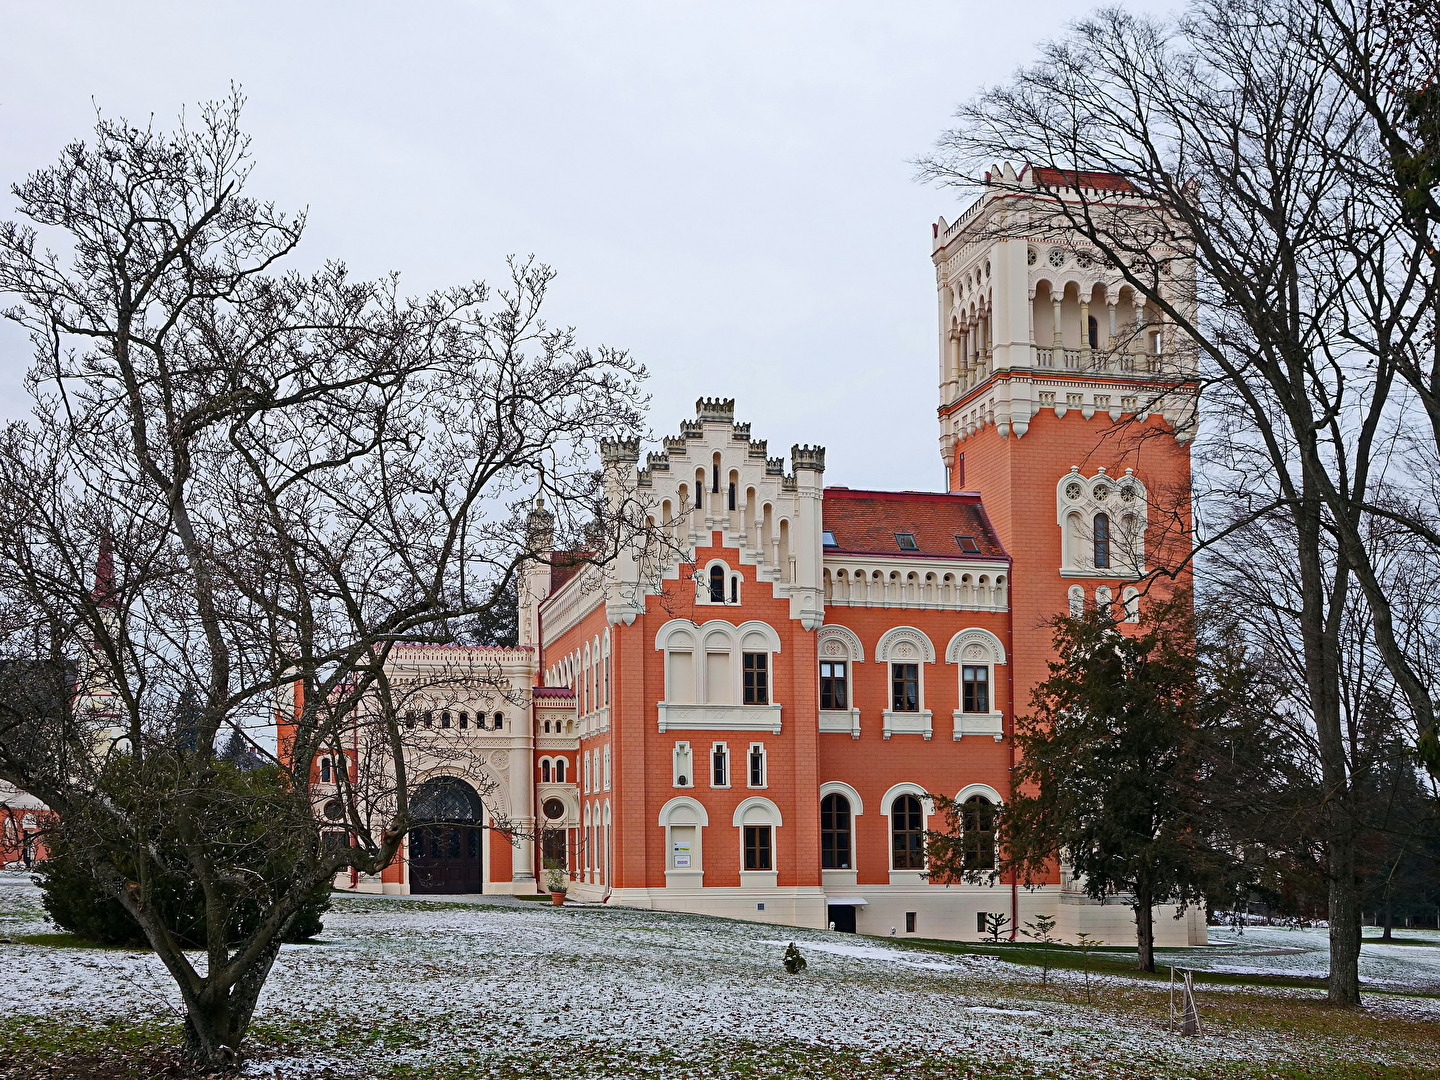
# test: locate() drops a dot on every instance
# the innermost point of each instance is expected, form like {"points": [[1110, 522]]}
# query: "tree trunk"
{"points": [[1322, 604], [1144, 930], [1389, 918], [1344, 981], [216, 1023]]}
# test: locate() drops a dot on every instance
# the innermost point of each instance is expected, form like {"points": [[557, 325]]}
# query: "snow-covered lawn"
{"points": [[500, 988], [1272, 950]]}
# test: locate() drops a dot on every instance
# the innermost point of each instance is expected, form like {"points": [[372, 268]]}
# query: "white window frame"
{"points": [[905, 645], [764, 766], [729, 766], [682, 765], [840, 644]]}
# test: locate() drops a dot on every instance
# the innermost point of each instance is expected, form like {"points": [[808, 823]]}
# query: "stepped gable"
{"points": [[865, 522]]}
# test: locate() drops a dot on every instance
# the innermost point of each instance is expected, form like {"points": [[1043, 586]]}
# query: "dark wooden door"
{"points": [[445, 858]]}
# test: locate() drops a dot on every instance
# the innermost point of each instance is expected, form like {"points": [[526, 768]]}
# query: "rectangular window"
{"points": [[904, 687], [719, 766], [906, 542], [834, 833], [757, 847], [967, 544], [980, 921], [975, 688], [834, 686], [680, 678], [757, 765], [719, 690], [757, 678], [909, 922]]}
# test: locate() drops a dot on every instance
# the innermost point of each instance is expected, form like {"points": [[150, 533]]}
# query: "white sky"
{"points": [[725, 188]]}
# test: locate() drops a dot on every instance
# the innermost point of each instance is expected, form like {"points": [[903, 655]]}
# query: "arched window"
{"points": [[560, 770], [907, 834], [325, 770], [978, 833], [545, 770], [499, 721], [1093, 332], [835, 832], [717, 585], [1102, 541]]}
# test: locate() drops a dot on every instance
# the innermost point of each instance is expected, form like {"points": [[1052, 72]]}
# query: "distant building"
{"points": [[750, 729]]}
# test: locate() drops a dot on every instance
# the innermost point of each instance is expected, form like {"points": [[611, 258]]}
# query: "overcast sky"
{"points": [[724, 188]]}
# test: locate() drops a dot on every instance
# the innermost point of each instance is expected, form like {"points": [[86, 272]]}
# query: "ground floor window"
{"points": [[757, 847], [835, 833], [907, 834]]}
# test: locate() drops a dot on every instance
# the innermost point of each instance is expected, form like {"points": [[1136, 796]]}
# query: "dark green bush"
{"points": [[76, 902]]}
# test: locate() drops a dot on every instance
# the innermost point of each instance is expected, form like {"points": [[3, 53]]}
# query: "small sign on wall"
{"points": [[681, 854]]}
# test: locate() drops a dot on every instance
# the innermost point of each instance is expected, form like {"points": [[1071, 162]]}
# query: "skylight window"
{"points": [[828, 538], [907, 542], [968, 545]]}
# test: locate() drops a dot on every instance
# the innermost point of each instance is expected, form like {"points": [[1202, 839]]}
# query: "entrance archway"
{"points": [[446, 847]]}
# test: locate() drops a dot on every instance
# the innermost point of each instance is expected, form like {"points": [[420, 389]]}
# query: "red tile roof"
{"points": [[865, 522], [1098, 181], [566, 564], [552, 692]]}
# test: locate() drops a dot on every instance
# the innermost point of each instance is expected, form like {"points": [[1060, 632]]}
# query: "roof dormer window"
{"points": [[906, 541], [828, 539], [967, 544]]}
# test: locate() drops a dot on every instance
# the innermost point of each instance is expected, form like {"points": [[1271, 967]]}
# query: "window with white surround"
{"points": [[906, 651], [717, 663], [684, 820], [839, 651], [717, 583], [977, 652], [684, 772], [605, 758], [719, 765], [758, 821], [1102, 521], [755, 766], [1077, 601], [1130, 604]]}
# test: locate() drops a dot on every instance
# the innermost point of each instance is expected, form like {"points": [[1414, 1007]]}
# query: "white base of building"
{"points": [[945, 912]]}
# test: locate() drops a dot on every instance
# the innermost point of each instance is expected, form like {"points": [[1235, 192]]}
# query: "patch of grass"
{"points": [[1432, 943], [73, 1048], [64, 940]]}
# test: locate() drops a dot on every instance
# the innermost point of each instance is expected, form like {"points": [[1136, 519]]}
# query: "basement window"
{"points": [[968, 545], [907, 542]]}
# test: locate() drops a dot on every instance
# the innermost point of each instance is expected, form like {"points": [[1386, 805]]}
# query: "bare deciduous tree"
{"points": [[1256, 142], [279, 477]]}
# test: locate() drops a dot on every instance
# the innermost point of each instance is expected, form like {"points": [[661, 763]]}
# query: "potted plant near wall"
{"points": [[556, 880]]}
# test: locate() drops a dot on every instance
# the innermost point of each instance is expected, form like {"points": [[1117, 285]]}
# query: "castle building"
{"points": [[745, 718]]}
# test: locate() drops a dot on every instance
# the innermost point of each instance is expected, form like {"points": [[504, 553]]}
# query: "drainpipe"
{"points": [[1010, 742]]}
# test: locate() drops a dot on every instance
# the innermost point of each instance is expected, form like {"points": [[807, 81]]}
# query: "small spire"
{"points": [[104, 592]]}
